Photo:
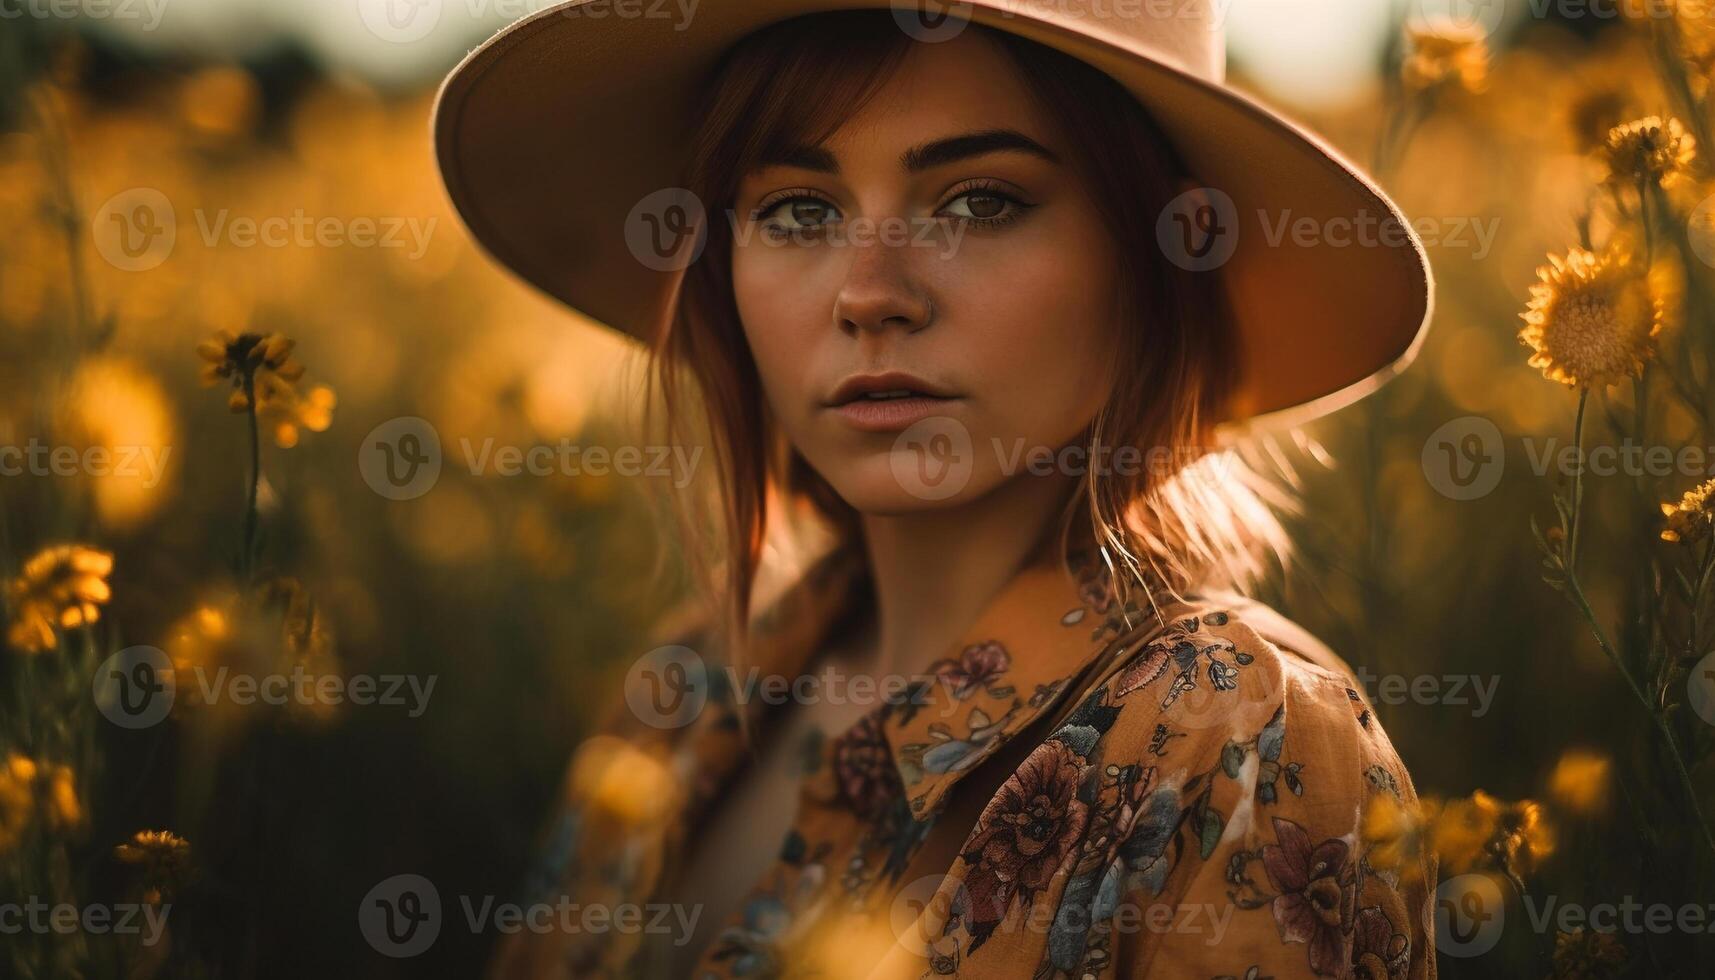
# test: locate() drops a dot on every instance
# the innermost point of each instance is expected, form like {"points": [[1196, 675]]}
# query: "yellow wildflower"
{"points": [[1445, 52], [1462, 829], [1689, 520], [621, 781], [60, 797], [264, 377], [286, 411], [236, 357], [163, 857], [1652, 150], [62, 586], [1398, 834], [1580, 780], [17, 799], [1523, 838], [1592, 319], [27, 787]]}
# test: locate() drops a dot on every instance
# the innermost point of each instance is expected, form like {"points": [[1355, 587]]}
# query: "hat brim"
{"points": [[551, 132]]}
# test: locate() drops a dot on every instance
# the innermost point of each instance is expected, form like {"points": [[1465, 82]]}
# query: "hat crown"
{"points": [[1188, 33]]}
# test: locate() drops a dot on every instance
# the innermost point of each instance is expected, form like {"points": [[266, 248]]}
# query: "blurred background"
{"points": [[139, 139]]}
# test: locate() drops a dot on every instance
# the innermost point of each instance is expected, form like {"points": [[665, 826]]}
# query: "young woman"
{"points": [[984, 297]]}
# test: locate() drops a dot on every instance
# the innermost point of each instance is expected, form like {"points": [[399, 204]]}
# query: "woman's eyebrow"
{"points": [[935, 153], [955, 148]]}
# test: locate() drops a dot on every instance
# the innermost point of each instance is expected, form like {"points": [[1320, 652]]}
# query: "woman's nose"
{"points": [[880, 291]]}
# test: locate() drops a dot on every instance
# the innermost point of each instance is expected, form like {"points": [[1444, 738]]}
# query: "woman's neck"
{"points": [[935, 571]]}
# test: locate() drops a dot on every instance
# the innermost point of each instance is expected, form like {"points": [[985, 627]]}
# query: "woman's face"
{"points": [[940, 245]]}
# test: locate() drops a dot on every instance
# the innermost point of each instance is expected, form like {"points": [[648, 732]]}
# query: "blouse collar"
{"points": [[1018, 660]]}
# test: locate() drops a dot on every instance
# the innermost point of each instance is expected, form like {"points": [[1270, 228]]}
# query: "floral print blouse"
{"points": [[1192, 808]]}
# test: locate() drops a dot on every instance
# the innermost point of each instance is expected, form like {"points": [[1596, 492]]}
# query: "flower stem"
{"points": [[1660, 719], [249, 544], [1577, 482]]}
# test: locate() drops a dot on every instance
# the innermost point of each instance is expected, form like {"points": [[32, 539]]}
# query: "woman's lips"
{"points": [[891, 414]]}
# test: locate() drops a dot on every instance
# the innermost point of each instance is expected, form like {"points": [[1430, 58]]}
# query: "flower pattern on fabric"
{"points": [[1024, 836], [976, 667], [1318, 900], [864, 770], [1186, 761]]}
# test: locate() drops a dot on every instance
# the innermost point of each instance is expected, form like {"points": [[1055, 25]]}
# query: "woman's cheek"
{"points": [[1044, 355]]}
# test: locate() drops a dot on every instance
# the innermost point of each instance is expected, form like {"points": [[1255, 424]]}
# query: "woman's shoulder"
{"points": [[1228, 678], [1259, 775]]}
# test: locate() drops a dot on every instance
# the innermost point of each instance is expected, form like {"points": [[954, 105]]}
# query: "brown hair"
{"points": [[795, 83]]}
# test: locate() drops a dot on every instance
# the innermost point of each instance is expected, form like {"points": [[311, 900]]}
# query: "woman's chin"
{"points": [[896, 484]]}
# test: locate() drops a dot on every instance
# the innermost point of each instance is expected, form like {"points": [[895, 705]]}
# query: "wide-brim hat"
{"points": [[563, 138]]}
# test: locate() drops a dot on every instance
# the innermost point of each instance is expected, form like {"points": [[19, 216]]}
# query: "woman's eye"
{"points": [[799, 214], [985, 206]]}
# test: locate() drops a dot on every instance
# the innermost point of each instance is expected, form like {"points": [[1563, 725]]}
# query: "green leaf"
{"points": [[1210, 831], [1232, 758]]}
